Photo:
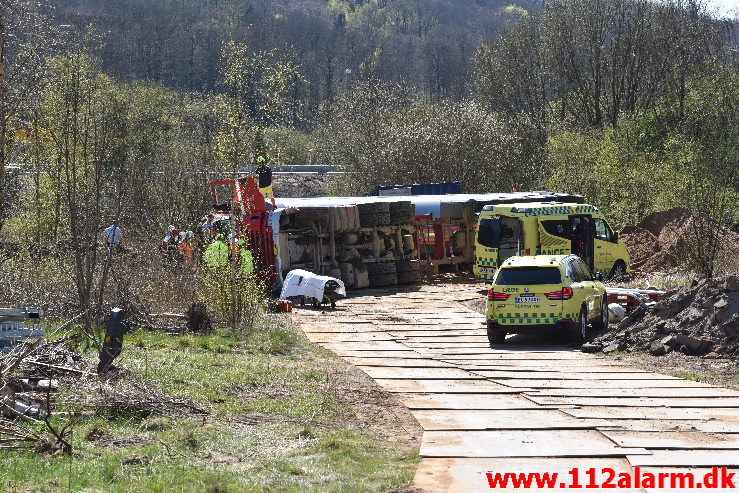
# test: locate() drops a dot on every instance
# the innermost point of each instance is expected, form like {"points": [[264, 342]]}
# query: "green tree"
{"points": [[258, 89]]}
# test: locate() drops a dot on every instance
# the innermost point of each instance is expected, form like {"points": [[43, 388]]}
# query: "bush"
{"points": [[238, 298]]}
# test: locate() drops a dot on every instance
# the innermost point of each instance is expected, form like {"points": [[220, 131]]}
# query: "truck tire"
{"points": [[410, 277], [308, 215], [383, 280], [402, 217], [374, 208], [407, 265], [403, 206], [380, 268], [379, 219]]}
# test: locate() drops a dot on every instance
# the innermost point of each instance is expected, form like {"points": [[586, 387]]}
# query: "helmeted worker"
{"points": [[170, 244], [185, 248], [209, 225]]}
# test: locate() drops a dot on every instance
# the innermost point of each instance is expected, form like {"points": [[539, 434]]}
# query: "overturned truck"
{"points": [[375, 241], [365, 245]]}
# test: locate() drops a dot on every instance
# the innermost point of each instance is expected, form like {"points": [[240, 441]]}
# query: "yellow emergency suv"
{"points": [[545, 293], [547, 228]]}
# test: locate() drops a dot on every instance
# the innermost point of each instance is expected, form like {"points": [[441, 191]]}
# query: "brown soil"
{"points": [[374, 410], [660, 242]]}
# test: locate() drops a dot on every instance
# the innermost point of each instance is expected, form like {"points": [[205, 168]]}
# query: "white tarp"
{"points": [[300, 282]]}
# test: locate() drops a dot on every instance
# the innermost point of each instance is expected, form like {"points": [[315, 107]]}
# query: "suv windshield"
{"points": [[488, 233], [528, 275]]}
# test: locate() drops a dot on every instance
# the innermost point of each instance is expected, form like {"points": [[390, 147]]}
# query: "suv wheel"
{"points": [[582, 324], [602, 322], [496, 336]]}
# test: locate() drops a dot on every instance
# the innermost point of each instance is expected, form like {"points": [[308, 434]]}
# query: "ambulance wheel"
{"points": [[496, 336], [602, 322], [618, 271], [582, 325]]}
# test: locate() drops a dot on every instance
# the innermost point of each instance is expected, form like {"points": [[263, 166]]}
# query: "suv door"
{"points": [[590, 292]]}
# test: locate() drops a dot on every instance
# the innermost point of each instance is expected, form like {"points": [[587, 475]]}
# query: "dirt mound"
{"points": [[660, 241], [642, 245], [700, 319]]}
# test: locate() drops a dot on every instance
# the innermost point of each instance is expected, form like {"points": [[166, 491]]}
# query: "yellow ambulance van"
{"points": [[547, 228]]}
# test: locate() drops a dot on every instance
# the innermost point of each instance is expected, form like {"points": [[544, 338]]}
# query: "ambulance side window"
{"points": [[488, 233], [557, 228], [602, 231]]}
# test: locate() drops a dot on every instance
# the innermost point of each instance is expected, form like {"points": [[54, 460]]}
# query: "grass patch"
{"points": [[307, 445], [687, 376]]}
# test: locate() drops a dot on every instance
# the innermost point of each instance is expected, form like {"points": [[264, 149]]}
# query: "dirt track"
{"points": [[530, 405]]}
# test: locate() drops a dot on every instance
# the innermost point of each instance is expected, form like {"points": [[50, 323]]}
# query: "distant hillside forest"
{"points": [[426, 43], [632, 103]]}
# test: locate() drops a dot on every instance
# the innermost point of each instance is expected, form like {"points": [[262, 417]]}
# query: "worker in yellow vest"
{"points": [[216, 255], [246, 261]]}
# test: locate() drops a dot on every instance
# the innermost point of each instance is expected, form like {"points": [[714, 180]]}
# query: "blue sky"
{"points": [[724, 7]]}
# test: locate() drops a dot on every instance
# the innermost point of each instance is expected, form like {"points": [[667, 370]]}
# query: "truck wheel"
{"points": [[374, 208], [496, 336], [307, 215], [403, 206], [375, 219], [407, 265], [602, 322], [402, 217], [618, 271], [410, 277], [379, 268], [383, 280]]}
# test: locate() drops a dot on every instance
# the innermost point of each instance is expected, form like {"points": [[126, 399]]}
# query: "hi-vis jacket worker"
{"points": [[216, 255], [185, 248], [264, 174]]}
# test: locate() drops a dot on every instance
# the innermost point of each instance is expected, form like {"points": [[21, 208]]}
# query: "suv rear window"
{"points": [[528, 275]]}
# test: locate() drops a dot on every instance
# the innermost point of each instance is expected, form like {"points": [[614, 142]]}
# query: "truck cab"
{"points": [[547, 228]]}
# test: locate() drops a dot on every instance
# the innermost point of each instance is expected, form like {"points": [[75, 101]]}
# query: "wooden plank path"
{"points": [[533, 404]]}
